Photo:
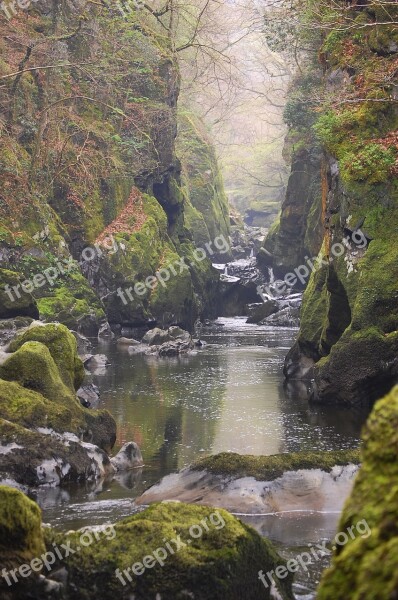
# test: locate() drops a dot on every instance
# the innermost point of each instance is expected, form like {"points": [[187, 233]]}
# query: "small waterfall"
{"points": [[226, 271], [271, 275], [252, 253]]}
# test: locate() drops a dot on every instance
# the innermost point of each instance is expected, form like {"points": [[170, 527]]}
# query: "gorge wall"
{"points": [[91, 192], [342, 199]]}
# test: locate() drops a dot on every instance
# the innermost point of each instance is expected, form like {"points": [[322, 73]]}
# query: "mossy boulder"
{"points": [[366, 567], [268, 468], [222, 563], [53, 438], [15, 303], [63, 348], [33, 366], [21, 536]]}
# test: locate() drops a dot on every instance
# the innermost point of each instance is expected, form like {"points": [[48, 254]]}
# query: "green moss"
{"points": [[268, 468], [21, 536], [20, 303], [202, 181], [365, 568], [371, 164], [31, 409], [63, 349], [223, 563], [33, 367]]}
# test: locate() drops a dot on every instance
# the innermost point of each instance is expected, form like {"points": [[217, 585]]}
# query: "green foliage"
{"points": [[371, 164]]}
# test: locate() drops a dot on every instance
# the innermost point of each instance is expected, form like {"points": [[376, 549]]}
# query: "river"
{"points": [[228, 397]]}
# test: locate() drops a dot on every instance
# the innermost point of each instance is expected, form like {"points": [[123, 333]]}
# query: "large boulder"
{"points": [[365, 565], [21, 540], [262, 484], [174, 551], [258, 312], [49, 436]]}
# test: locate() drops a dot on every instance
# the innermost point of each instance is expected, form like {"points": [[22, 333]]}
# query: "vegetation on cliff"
{"points": [[349, 314], [87, 152]]}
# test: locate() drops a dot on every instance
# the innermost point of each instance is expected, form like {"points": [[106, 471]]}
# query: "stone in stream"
{"points": [[172, 550], [259, 311], [128, 457], [247, 484], [123, 341]]}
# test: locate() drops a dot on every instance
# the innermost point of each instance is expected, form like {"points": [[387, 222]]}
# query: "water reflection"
{"points": [[229, 396]]}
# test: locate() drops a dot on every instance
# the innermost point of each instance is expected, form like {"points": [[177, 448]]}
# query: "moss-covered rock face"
{"points": [[206, 204], [39, 405], [15, 302], [222, 563], [349, 323], [287, 241], [100, 205], [21, 536], [366, 567], [268, 468]]}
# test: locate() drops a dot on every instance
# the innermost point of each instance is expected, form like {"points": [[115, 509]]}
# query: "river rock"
{"points": [[245, 484], [128, 457], [157, 337], [123, 341], [175, 348], [259, 311], [15, 303], [223, 563], [95, 361], [88, 395], [105, 332], [287, 317]]}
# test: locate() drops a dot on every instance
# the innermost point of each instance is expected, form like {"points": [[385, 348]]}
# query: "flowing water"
{"points": [[228, 397]]}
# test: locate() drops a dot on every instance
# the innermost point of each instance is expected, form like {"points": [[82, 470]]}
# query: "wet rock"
{"points": [[123, 341], [158, 337], [176, 333], [129, 457], [140, 349], [259, 312], [287, 317], [83, 344], [88, 395], [285, 482], [95, 361], [175, 348], [155, 337], [9, 328], [105, 332], [235, 295], [237, 554]]}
